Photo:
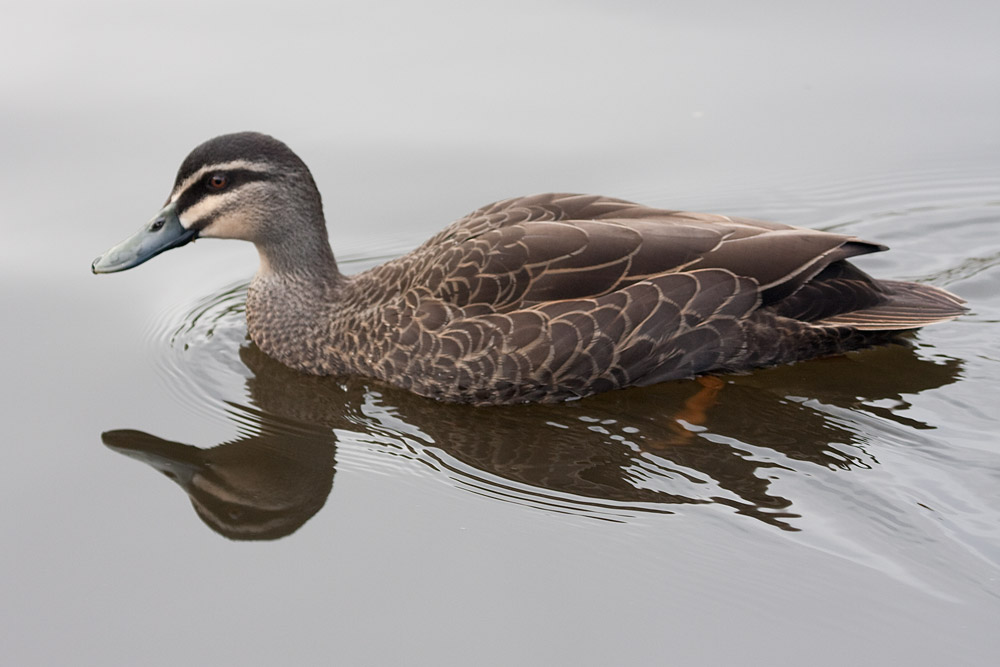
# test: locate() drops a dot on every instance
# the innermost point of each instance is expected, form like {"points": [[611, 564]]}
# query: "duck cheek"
{"points": [[226, 226]]}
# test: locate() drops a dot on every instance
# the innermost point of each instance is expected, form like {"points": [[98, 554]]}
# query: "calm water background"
{"points": [[843, 511]]}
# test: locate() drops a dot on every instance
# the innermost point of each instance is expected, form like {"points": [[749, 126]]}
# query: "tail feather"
{"points": [[909, 306]]}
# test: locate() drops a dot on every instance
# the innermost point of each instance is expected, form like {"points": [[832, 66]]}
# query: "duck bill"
{"points": [[164, 232], [176, 460]]}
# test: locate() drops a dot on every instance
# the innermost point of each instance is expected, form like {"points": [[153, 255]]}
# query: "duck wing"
{"points": [[532, 250]]}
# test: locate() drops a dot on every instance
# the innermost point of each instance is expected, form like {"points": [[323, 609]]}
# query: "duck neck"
{"points": [[309, 259], [291, 300]]}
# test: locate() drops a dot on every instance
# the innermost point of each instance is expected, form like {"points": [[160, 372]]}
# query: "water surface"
{"points": [[172, 495]]}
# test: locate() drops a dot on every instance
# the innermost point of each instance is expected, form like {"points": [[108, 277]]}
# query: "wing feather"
{"points": [[530, 250]]}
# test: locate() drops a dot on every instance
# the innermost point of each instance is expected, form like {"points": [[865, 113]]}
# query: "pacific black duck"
{"points": [[540, 298]]}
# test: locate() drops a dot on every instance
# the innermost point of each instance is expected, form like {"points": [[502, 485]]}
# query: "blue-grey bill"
{"points": [[162, 233]]}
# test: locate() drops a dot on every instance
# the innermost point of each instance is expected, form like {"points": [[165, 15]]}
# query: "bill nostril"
{"points": [[157, 224]]}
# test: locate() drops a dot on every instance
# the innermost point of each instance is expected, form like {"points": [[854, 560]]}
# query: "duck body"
{"points": [[541, 298]]}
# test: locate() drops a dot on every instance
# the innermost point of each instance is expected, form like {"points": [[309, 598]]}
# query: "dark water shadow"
{"points": [[610, 457]]}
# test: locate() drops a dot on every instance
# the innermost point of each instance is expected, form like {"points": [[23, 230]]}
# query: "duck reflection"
{"points": [[611, 456]]}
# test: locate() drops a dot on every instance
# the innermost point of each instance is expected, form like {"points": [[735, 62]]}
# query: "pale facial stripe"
{"points": [[261, 167], [206, 207]]}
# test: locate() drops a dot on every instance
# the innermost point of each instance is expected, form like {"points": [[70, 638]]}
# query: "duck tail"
{"points": [[907, 306]]}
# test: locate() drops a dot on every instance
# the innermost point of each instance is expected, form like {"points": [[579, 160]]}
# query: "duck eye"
{"points": [[217, 181]]}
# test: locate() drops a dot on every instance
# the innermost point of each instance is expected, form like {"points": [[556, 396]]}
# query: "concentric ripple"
{"points": [[197, 348]]}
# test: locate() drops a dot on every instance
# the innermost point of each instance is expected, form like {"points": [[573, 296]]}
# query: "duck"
{"points": [[543, 298]]}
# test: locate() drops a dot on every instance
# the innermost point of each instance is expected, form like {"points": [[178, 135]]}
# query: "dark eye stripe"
{"points": [[199, 189]]}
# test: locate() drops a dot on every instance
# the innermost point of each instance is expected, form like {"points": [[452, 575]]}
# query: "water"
{"points": [[837, 511]]}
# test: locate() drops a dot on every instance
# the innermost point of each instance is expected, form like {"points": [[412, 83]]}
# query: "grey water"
{"points": [[171, 495]]}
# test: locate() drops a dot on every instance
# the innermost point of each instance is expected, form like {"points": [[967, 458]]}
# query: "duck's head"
{"points": [[246, 186]]}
